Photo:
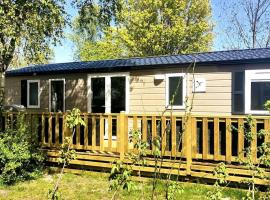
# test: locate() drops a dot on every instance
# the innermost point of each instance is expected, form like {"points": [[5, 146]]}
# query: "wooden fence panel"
{"points": [[173, 138], [228, 140], [94, 132], [216, 139], [254, 140], [57, 130], [241, 139], [205, 138], [86, 131]]}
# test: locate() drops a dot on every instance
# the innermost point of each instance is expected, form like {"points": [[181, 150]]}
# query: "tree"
{"points": [[246, 23], [151, 27], [28, 27]]}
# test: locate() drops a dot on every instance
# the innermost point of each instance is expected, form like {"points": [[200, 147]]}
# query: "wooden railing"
{"points": [[199, 142]]}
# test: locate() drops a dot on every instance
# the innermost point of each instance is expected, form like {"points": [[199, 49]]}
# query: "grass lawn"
{"points": [[94, 185]]}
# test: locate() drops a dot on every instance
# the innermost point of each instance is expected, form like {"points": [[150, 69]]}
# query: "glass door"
{"points": [[98, 95], [57, 96], [118, 94]]}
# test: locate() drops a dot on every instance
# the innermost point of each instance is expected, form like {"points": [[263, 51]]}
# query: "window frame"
{"points": [[254, 76], [28, 93], [64, 93], [184, 89], [107, 77]]}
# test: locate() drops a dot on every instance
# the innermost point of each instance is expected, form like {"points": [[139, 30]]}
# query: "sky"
{"points": [[64, 52]]}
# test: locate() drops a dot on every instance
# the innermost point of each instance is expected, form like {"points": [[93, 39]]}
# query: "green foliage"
{"points": [[120, 177], [267, 105], [156, 145], [66, 155], [74, 118], [146, 28], [29, 28], [20, 158], [140, 147], [174, 190], [220, 173]]}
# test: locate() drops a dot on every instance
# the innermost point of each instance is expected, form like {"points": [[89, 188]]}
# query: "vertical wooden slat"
{"points": [[163, 133], [154, 128], [144, 128], [57, 129], [228, 140], [188, 145], [267, 129], [205, 138], [11, 121], [121, 135], [43, 129], [254, 141], [110, 132], [241, 141], [65, 129], [135, 123], [126, 134], [194, 136], [85, 141], [6, 120], [94, 133], [50, 130], [101, 132], [216, 139], [78, 136], [173, 131]]}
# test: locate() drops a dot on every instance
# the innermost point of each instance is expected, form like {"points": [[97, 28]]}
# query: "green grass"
{"points": [[94, 185]]}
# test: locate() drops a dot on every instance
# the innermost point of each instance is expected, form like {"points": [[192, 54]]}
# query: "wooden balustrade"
{"points": [[196, 139]]}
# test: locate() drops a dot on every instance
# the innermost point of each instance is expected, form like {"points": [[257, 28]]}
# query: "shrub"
{"points": [[20, 155]]}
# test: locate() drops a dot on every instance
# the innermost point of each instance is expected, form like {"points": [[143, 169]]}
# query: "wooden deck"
{"points": [[191, 147]]}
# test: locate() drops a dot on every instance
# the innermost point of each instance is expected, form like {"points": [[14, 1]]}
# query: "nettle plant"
{"points": [[73, 119]]}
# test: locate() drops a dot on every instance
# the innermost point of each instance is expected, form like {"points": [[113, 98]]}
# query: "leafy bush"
{"points": [[20, 155]]}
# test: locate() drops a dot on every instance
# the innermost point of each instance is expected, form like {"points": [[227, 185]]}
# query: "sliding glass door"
{"points": [[108, 93]]}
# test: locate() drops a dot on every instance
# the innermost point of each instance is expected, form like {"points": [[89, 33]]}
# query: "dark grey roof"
{"points": [[207, 58]]}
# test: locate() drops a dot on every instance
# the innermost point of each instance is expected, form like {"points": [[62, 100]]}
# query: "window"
{"points": [[108, 93], [257, 91], [175, 90], [33, 96], [238, 94]]}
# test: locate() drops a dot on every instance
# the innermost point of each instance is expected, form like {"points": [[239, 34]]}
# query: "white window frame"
{"points": [[28, 93], [254, 76], [183, 75], [64, 93], [107, 77]]}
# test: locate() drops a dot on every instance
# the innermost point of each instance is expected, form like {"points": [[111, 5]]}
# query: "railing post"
{"points": [[122, 135], [188, 132]]}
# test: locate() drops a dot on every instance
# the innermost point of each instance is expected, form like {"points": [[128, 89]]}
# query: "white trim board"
{"points": [[64, 92], [28, 93]]}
